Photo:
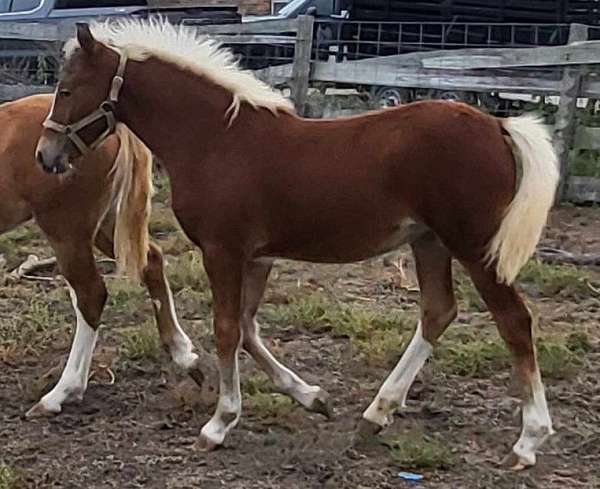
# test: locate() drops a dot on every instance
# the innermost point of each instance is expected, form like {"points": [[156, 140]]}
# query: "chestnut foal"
{"points": [[251, 182], [108, 195]]}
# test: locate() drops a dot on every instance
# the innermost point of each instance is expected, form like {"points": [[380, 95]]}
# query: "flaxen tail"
{"points": [[132, 202], [526, 216]]}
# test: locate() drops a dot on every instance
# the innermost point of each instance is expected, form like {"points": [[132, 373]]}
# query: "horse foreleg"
{"points": [[225, 272], [312, 397], [88, 295]]}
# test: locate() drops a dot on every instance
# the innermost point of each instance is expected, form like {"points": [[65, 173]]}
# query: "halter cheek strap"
{"points": [[106, 111]]}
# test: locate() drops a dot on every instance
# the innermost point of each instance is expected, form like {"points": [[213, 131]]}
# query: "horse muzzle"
{"points": [[52, 156]]}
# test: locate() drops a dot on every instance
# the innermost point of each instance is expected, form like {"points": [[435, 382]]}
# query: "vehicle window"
{"points": [[4, 6], [99, 3], [22, 5], [290, 7]]}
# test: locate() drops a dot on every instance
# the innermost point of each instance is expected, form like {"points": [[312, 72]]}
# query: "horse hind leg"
{"points": [[88, 295], [312, 397], [515, 326], [438, 310]]}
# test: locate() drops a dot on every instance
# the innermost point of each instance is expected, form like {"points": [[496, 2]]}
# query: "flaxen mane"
{"points": [[142, 39]]}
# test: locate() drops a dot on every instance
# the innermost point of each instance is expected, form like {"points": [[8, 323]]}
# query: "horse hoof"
{"points": [[365, 431], [322, 404], [516, 463], [205, 444], [41, 411]]}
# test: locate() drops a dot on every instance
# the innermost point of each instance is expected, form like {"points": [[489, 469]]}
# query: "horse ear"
{"points": [[85, 38]]}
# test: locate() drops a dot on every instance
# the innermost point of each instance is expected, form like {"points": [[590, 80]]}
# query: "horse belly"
{"points": [[360, 243]]}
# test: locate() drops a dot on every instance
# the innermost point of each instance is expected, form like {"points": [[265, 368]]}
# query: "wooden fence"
{"points": [[568, 71]]}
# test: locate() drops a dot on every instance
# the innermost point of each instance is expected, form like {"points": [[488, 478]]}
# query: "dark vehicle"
{"points": [[73, 10], [36, 62]]}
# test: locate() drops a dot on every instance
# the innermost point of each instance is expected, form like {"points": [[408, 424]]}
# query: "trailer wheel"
{"points": [[455, 96], [390, 96]]}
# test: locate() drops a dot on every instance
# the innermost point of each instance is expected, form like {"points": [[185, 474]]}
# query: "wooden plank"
{"points": [[254, 39], [301, 67], [564, 128], [582, 190], [33, 31], [263, 27], [581, 53], [13, 92], [485, 58], [352, 73]]}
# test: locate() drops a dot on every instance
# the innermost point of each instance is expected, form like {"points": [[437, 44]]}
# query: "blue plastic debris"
{"points": [[410, 476]]}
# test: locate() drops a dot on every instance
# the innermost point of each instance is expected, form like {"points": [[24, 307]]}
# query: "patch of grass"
{"points": [[414, 450], [264, 403], [31, 328], [551, 280], [124, 294], [141, 343], [377, 335], [468, 294], [10, 478], [163, 222], [381, 348], [480, 359], [579, 342], [475, 358], [194, 304], [176, 244], [187, 272], [162, 188], [18, 243], [556, 360]]}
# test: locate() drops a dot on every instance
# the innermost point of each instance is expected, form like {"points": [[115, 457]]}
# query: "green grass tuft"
{"points": [[556, 360], [551, 280], [264, 403], [187, 272], [476, 358], [141, 344], [377, 335], [414, 450], [10, 477]]}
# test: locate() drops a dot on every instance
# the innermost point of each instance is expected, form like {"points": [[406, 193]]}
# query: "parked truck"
{"points": [[36, 62]]}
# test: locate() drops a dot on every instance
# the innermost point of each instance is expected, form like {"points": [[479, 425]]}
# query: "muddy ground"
{"points": [[343, 327]]}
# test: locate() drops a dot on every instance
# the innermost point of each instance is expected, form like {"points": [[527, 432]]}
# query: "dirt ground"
{"points": [[343, 327]]}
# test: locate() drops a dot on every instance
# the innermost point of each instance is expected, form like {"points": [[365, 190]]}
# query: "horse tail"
{"points": [[526, 216], [132, 191]]}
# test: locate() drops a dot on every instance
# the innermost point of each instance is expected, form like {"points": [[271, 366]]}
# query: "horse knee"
{"points": [[90, 299]]}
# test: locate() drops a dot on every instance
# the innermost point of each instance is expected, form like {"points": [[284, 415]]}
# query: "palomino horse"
{"points": [[251, 182], [108, 195]]}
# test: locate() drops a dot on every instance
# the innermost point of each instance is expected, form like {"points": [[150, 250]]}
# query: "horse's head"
{"points": [[82, 115]]}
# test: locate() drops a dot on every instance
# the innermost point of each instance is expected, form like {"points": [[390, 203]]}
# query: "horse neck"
{"points": [[171, 108]]}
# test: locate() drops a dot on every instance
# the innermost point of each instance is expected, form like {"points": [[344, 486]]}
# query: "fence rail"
{"points": [[567, 70]]}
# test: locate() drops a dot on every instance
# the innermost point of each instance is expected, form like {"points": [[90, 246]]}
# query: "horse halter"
{"points": [[106, 111]]}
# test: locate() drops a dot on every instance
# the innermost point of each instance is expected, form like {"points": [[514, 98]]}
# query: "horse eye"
{"points": [[64, 93]]}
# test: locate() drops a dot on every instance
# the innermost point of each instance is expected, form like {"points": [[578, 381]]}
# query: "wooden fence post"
{"points": [[564, 128], [301, 67]]}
